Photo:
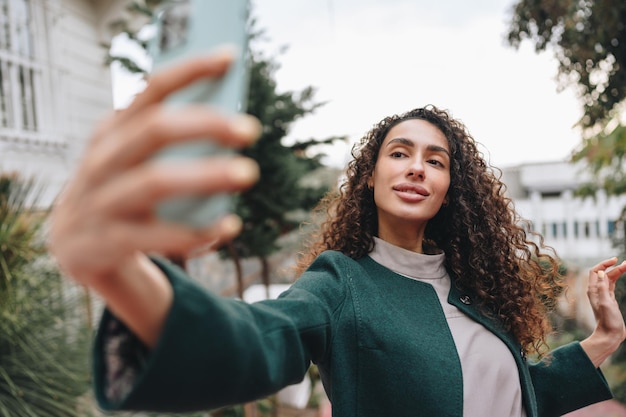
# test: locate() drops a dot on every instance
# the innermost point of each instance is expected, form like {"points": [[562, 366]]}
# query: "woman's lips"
{"points": [[411, 192]]}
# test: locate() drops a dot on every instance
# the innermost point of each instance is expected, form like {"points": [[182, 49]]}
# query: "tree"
{"points": [[43, 340], [588, 39], [268, 209]]}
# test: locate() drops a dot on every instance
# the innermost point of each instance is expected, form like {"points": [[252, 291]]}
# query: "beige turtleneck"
{"points": [[491, 385]]}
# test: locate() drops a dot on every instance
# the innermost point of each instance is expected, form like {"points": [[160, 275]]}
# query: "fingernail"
{"points": [[227, 51], [244, 170], [247, 126], [231, 224]]}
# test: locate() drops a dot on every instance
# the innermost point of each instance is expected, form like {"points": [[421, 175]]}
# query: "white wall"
{"points": [[74, 92], [544, 194]]}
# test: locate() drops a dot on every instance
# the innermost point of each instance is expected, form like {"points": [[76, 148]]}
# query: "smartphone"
{"points": [[187, 28]]}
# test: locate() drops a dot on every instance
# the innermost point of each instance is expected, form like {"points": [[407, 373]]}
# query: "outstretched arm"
{"points": [[610, 330], [104, 222]]}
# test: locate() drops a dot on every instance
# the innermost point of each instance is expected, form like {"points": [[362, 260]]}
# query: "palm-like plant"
{"points": [[43, 340]]}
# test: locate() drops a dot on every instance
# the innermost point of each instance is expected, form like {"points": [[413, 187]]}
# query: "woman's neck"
{"points": [[412, 243]]}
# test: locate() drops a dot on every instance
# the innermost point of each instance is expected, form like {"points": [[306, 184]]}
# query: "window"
{"points": [[551, 194], [611, 227], [19, 71]]}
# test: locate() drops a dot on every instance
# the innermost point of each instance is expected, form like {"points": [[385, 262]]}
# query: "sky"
{"points": [[369, 59]]}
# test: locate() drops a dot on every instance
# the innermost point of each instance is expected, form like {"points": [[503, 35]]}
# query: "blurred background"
{"points": [[540, 85]]}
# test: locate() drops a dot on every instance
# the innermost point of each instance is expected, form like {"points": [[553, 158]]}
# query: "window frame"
{"points": [[24, 76]]}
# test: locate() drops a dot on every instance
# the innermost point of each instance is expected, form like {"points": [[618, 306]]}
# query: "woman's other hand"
{"points": [[610, 329]]}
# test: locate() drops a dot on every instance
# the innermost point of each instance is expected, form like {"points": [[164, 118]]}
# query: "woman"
{"points": [[421, 295]]}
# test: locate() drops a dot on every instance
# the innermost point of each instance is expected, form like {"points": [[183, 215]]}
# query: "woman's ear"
{"points": [[370, 182]]}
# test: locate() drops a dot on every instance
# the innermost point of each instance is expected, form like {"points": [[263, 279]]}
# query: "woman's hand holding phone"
{"points": [[104, 221]]}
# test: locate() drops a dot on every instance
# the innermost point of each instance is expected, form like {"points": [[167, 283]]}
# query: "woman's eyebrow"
{"points": [[409, 143], [437, 148], [402, 141]]}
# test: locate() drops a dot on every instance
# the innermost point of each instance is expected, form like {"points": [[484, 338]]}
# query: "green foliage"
{"points": [[267, 209], [604, 155], [236, 411], [129, 64], [43, 343], [138, 13], [588, 39], [18, 228], [617, 374], [589, 42], [43, 360]]}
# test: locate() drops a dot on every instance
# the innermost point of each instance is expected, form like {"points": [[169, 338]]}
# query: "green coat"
{"points": [[381, 342]]}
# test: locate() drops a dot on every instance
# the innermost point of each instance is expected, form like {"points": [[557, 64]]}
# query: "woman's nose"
{"points": [[416, 169]]}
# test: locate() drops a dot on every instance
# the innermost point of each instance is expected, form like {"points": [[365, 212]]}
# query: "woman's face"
{"points": [[411, 178]]}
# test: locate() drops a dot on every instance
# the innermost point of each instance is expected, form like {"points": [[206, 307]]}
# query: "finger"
{"points": [[604, 264], [155, 129], [606, 289], [593, 272], [601, 284], [605, 296], [595, 285], [224, 230], [614, 273], [167, 238], [105, 125], [173, 239], [167, 81], [139, 190]]}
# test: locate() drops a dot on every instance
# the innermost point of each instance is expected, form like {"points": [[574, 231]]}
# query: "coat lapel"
{"points": [[467, 303]]}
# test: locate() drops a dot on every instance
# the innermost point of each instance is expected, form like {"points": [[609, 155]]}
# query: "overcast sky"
{"points": [[372, 58]]}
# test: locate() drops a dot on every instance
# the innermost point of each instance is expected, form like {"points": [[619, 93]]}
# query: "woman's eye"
{"points": [[435, 162], [397, 154]]}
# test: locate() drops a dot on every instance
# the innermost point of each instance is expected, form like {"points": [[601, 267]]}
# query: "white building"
{"points": [[54, 84], [580, 230]]}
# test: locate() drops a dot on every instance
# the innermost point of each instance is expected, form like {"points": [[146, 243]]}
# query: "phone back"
{"points": [[187, 28]]}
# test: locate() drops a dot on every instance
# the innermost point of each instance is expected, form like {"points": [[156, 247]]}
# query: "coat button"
{"points": [[465, 299]]}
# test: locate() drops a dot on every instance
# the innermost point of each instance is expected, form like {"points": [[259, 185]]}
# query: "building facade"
{"points": [[581, 230], [54, 84]]}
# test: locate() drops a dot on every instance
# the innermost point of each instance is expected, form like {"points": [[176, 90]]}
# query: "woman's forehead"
{"points": [[417, 130]]}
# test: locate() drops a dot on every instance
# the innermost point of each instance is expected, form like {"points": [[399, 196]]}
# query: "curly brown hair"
{"points": [[487, 246]]}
